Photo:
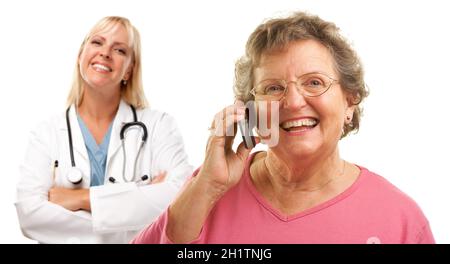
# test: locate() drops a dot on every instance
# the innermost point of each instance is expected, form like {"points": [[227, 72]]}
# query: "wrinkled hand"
{"points": [[223, 167], [71, 199]]}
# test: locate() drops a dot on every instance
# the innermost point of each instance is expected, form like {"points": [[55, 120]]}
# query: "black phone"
{"points": [[246, 131]]}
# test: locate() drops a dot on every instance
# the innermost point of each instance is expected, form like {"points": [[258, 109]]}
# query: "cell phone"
{"points": [[246, 131]]}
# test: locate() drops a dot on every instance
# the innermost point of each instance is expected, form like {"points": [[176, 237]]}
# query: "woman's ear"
{"points": [[350, 108], [128, 72], [349, 114]]}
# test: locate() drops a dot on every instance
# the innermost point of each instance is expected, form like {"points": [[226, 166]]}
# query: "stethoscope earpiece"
{"points": [[143, 178]]}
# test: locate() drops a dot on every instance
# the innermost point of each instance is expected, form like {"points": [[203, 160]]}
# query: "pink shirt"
{"points": [[371, 210]]}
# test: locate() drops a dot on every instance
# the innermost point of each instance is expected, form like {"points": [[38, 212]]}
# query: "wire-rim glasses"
{"points": [[311, 84]]}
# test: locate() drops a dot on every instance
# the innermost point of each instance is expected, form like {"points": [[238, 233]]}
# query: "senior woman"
{"points": [[300, 190]]}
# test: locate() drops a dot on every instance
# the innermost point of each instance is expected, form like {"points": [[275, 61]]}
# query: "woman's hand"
{"points": [[79, 199], [220, 171], [223, 167], [71, 199]]}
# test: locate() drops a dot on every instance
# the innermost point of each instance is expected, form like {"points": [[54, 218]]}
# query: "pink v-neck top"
{"points": [[371, 210]]}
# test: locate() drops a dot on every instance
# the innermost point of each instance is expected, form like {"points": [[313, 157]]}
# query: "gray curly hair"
{"points": [[277, 33]]}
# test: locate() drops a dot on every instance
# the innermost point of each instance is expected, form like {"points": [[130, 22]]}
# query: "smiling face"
{"points": [[309, 126], [106, 59]]}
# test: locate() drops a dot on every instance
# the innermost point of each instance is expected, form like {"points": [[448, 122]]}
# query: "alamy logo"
{"points": [[261, 116]]}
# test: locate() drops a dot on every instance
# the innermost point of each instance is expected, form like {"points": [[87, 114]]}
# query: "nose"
{"points": [[293, 98], [105, 53]]}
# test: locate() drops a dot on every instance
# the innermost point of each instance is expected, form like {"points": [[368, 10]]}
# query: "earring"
{"points": [[124, 82]]}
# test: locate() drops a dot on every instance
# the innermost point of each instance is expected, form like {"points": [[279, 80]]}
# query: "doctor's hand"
{"points": [[223, 167], [160, 177], [71, 199]]}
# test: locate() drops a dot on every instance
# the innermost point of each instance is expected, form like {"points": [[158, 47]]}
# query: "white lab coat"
{"points": [[119, 210]]}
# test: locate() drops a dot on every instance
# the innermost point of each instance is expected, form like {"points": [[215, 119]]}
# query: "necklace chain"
{"points": [[323, 185]]}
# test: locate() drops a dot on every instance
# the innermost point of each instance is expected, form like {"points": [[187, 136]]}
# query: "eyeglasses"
{"points": [[311, 84]]}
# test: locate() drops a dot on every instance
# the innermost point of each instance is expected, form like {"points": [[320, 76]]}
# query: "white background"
{"points": [[189, 49]]}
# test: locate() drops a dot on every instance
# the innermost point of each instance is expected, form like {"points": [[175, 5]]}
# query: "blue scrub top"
{"points": [[97, 153]]}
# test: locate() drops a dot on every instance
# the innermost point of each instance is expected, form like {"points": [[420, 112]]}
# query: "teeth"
{"points": [[298, 123], [102, 67]]}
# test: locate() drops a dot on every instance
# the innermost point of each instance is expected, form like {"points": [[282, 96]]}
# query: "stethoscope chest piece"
{"points": [[74, 175]]}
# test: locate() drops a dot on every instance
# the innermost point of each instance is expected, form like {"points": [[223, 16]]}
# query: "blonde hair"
{"points": [[132, 92], [275, 34]]}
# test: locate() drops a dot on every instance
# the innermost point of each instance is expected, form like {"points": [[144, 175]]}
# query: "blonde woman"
{"points": [[108, 165]]}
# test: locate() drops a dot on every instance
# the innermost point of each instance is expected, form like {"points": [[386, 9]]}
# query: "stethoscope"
{"points": [[75, 175]]}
